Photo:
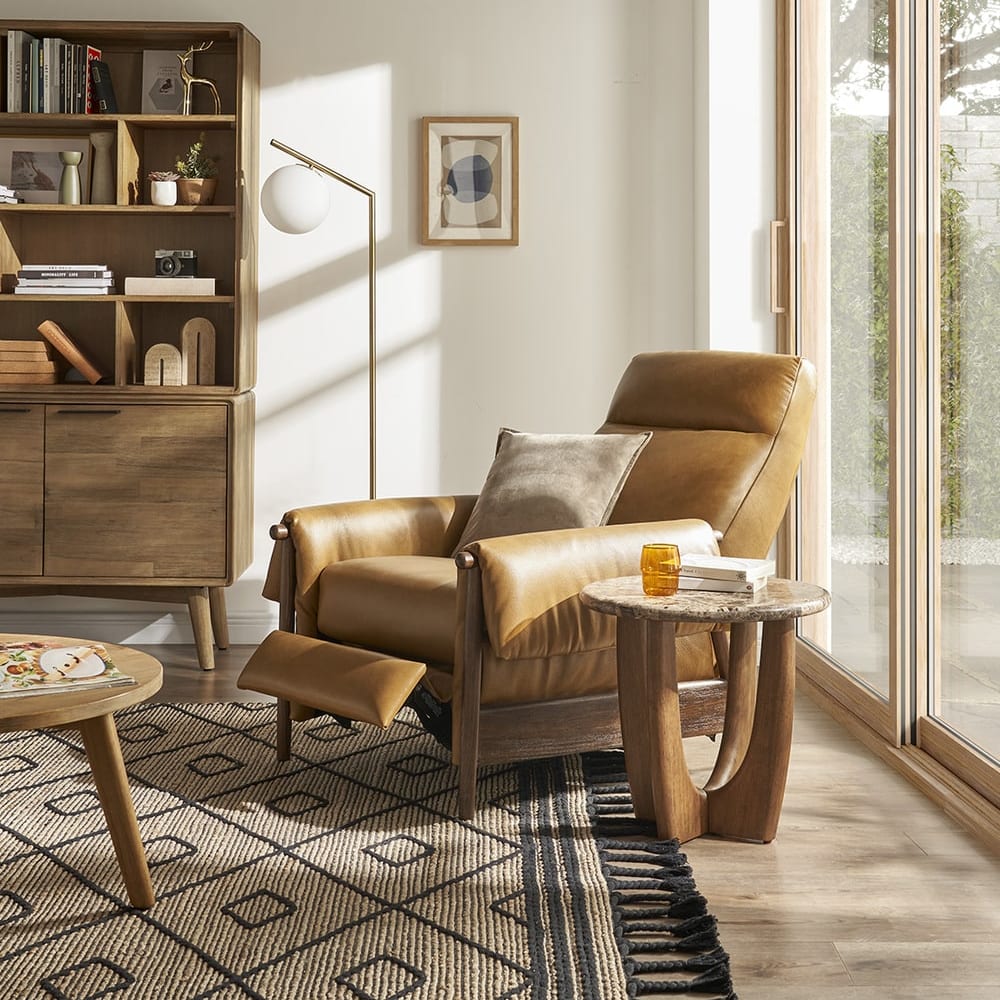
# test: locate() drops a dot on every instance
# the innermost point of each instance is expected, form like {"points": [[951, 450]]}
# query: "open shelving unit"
{"points": [[127, 489]]}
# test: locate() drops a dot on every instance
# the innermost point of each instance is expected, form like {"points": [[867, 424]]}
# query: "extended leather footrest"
{"points": [[354, 683]]}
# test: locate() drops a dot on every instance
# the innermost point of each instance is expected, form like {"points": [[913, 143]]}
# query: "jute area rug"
{"points": [[339, 874]]}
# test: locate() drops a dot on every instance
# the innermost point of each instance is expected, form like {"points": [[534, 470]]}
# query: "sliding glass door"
{"points": [[893, 262]]}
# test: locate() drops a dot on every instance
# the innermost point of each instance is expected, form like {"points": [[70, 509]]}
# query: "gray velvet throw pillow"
{"points": [[540, 482]]}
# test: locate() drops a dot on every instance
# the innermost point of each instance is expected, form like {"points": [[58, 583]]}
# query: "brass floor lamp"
{"points": [[295, 200]]}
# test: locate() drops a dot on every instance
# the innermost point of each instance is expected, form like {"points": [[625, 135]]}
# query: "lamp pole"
{"points": [[370, 195]]}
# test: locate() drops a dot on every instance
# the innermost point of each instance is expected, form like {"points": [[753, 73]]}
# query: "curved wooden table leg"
{"points": [[201, 623], [634, 713], [217, 611], [748, 807], [681, 808], [741, 691], [100, 739]]}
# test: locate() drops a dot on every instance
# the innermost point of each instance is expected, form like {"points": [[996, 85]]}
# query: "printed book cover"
{"points": [[28, 668], [726, 567]]}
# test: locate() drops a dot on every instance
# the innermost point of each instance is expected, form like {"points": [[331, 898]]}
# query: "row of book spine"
{"points": [[51, 76], [64, 279]]}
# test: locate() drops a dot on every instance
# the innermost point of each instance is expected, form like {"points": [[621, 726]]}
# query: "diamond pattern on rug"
{"points": [[341, 873]]}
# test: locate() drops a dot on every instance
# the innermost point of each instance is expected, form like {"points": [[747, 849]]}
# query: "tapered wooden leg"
{"points": [[741, 691], [633, 709], [681, 809], [217, 611], [749, 806], [283, 739], [201, 623], [100, 739]]}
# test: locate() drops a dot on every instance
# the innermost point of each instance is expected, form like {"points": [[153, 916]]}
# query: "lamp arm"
{"points": [[372, 353], [322, 168]]}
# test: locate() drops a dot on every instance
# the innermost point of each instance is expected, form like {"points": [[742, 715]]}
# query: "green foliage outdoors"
{"points": [[969, 387], [969, 365]]}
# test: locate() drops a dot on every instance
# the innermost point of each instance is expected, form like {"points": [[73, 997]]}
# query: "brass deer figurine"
{"points": [[190, 81]]}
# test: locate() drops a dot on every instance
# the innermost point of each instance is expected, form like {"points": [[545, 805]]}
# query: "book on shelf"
{"points": [[725, 567], [169, 286], [162, 87], [105, 101], [10, 199], [91, 55], [14, 349], [60, 282], [712, 584], [27, 365], [27, 270], [64, 344], [49, 289], [26, 274], [33, 668], [27, 378]]}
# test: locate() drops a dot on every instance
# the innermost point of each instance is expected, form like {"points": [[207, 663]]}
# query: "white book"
{"points": [[65, 282], [58, 290], [64, 267], [721, 586], [726, 567], [169, 286]]}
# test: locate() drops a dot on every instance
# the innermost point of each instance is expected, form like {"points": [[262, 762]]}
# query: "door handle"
{"points": [[776, 224]]}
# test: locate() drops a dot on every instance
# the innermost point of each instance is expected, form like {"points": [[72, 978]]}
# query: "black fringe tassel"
{"points": [[657, 907]]}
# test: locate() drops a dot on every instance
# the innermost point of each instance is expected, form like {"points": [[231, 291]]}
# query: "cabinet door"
{"points": [[136, 491], [22, 458]]}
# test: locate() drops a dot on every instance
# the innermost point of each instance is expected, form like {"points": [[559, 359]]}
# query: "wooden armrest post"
{"points": [[286, 593]]}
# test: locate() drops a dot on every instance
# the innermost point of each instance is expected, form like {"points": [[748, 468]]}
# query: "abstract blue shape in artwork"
{"points": [[471, 178]]}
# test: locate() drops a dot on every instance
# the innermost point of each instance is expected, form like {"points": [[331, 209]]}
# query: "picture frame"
{"points": [[470, 181], [30, 164]]}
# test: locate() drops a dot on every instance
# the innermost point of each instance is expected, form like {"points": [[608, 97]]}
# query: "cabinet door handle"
{"points": [[88, 413], [15, 409]]}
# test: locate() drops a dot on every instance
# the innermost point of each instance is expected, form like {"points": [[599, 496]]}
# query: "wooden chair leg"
{"points": [[283, 741], [217, 611], [201, 623]]}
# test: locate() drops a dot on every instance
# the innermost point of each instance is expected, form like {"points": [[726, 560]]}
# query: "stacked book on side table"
{"points": [[727, 574], [8, 196], [64, 279]]}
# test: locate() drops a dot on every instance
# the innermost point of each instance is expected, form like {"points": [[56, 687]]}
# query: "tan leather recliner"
{"points": [[529, 671]]}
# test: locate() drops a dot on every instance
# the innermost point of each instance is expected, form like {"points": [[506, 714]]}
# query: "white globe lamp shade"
{"points": [[295, 199]]}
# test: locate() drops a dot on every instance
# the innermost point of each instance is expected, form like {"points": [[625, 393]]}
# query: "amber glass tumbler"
{"points": [[661, 563]]}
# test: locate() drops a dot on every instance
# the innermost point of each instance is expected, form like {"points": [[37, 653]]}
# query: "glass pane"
{"points": [[966, 687], [856, 526]]}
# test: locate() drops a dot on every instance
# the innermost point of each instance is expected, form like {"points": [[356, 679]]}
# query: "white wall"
{"points": [[613, 151]]}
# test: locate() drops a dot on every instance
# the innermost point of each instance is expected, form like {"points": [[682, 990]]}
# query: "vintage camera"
{"points": [[175, 263]]}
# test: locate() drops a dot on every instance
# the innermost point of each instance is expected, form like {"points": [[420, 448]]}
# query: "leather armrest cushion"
{"points": [[532, 582]]}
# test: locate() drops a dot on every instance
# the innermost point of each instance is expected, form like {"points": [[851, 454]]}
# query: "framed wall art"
{"points": [[469, 181], [30, 164]]}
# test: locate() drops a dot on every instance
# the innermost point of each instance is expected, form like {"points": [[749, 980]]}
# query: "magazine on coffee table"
{"points": [[28, 668]]}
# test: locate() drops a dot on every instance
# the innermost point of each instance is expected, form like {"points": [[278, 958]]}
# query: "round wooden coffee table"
{"points": [[90, 710], [743, 797]]}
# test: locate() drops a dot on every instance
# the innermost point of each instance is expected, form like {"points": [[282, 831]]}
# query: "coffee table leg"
{"points": [[100, 739], [748, 807], [681, 808]]}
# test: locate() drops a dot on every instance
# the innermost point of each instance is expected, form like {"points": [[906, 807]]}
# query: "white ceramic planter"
{"points": [[163, 192]]}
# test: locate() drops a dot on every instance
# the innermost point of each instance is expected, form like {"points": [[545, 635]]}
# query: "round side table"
{"points": [[742, 799], [90, 710]]}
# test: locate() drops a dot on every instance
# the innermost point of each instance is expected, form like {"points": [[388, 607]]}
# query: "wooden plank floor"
{"points": [[868, 892]]}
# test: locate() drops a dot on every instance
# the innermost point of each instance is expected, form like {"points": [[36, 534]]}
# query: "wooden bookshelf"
{"points": [[129, 490]]}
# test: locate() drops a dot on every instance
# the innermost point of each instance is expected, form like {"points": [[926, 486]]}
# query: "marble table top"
{"points": [[778, 599]]}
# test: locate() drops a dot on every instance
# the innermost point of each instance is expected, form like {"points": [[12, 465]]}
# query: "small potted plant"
{"points": [[197, 169], [163, 187]]}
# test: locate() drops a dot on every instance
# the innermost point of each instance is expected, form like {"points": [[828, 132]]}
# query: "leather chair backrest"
{"points": [[728, 429]]}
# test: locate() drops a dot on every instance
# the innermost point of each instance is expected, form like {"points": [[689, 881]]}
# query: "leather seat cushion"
{"points": [[404, 605]]}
